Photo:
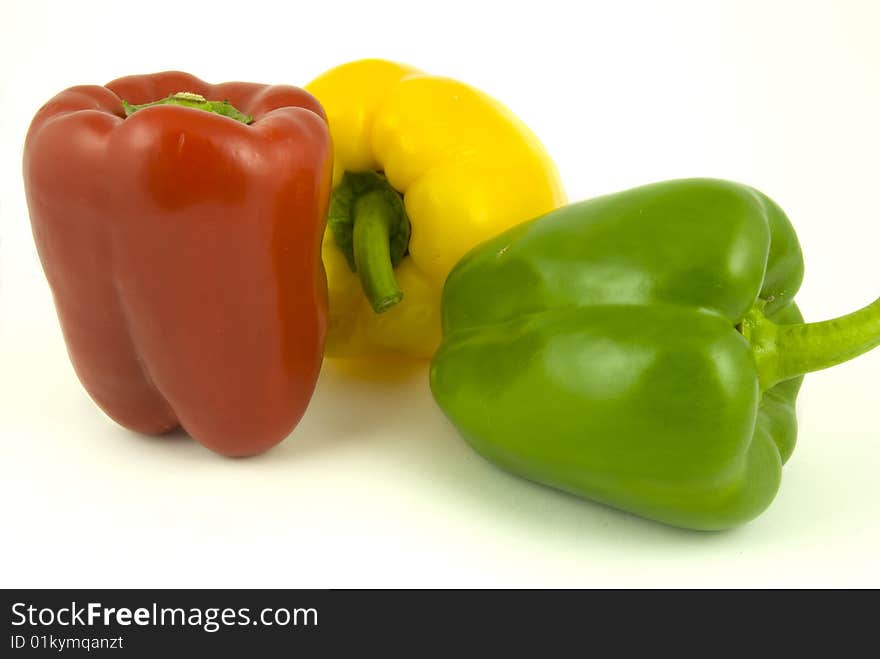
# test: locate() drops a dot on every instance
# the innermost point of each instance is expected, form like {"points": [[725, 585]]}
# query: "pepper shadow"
{"points": [[357, 401], [391, 411]]}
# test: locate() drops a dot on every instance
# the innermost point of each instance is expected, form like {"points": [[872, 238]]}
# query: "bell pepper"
{"points": [[425, 169], [181, 241], [641, 349]]}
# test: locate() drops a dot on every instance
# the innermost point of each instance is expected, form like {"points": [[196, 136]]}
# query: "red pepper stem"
{"points": [[783, 352], [372, 253], [191, 100]]}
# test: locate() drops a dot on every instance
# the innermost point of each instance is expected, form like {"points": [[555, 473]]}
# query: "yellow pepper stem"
{"points": [[372, 251], [369, 223]]}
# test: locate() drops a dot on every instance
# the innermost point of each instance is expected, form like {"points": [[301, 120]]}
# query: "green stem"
{"points": [[783, 352], [372, 251], [370, 227], [190, 100]]}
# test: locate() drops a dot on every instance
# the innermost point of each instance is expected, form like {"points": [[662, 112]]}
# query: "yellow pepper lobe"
{"points": [[467, 168]]}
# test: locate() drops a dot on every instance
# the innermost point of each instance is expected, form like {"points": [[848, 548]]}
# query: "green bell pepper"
{"points": [[642, 349]]}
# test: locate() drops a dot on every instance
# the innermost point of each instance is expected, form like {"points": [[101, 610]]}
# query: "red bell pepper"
{"points": [[182, 248]]}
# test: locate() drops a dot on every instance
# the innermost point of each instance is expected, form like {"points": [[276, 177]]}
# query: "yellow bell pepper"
{"points": [[465, 168]]}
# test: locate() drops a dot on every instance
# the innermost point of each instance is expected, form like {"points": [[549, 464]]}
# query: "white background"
{"points": [[374, 488]]}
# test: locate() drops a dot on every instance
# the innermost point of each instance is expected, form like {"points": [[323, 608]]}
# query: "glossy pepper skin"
{"points": [[182, 249], [641, 349], [467, 169]]}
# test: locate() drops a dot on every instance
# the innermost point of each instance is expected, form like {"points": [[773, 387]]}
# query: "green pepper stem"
{"points": [[783, 352], [191, 100], [372, 253]]}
